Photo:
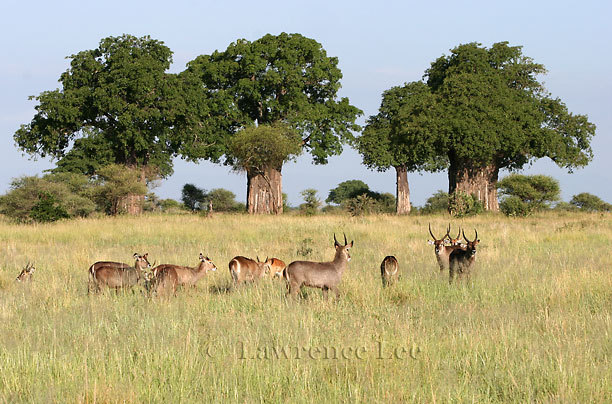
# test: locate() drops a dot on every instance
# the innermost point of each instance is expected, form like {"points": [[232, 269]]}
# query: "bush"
{"points": [[514, 206], [536, 191], [361, 205], [462, 204], [590, 203], [223, 200], [193, 198], [66, 192], [566, 207], [347, 190], [437, 203]]}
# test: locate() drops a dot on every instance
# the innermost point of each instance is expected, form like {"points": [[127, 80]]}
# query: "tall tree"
{"points": [[117, 103], [398, 136], [491, 113], [286, 79]]}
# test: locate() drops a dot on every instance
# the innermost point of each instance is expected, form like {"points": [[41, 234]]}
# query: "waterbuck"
{"points": [[162, 281], [462, 259], [26, 274], [443, 251], [322, 275], [186, 276], [244, 269], [116, 275], [274, 267], [389, 270]]}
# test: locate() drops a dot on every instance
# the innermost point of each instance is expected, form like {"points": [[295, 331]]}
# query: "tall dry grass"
{"points": [[533, 325]]}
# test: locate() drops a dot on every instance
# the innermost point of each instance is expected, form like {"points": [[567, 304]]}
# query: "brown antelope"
{"points": [[163, 281], [186, 276], [389, 270], [274, 267], [462, 259], [322, 275], [443, 251], [116, 275], [245, 269], [26, 274]]}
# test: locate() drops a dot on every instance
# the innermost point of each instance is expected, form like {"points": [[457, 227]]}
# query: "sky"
{"points": [[379, 45]]}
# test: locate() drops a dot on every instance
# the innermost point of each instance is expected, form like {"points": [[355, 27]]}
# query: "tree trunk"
{"points": [[402, 202], [131, 204], [264, 192], [479, 181]]}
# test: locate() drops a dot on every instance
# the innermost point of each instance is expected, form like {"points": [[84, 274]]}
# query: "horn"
{"points": [[345, 242], [430, 232], [466, 239], [459, 233], [257, 256], [336, 240], [266, 258], [447, 232], [475, 231]]}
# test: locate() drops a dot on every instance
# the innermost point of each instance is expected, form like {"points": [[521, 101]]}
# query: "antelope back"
{"points": [[245, 269]]}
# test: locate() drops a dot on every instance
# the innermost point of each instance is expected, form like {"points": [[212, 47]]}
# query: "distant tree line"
{"points": [[259, 104]]}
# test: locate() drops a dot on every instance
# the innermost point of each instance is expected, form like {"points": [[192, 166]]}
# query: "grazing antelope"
{"points": [[443, 251], [26, 274], [322, 275], [163, 281], [116, 275], [274, 267], [187, 276], [461, 260], [389, 270], [245, 269]]}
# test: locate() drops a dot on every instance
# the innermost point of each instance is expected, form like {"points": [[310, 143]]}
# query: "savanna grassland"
{"points": [[534, 324]]}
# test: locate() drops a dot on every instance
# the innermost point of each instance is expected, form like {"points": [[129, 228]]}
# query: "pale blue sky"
{"points": [[379, 45]]}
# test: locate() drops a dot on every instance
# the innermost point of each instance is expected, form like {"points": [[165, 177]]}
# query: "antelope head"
{"points": [[438, 243], [343, 249], [142, 261], [471, 245], [210, 266], [26, 274]]}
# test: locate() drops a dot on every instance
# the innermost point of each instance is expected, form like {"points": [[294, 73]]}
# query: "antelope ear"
{"points": [[135, 255], [351, 243], [430, 242]]}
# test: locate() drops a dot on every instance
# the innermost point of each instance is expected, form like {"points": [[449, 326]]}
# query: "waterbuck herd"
{"points": [[164, 279]]}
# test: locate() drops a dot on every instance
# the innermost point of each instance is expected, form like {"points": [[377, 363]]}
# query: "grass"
{"points": [[533, 325]]}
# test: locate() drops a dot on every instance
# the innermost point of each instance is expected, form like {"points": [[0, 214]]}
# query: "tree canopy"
{"points": [[117, 103], [284, 78]]}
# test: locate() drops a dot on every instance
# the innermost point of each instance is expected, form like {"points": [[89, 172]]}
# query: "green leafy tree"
{"points": [[535, 192], [193, 198], [224, 200], [48, 209], [347, 190], [118, 104], [437, 203], [590, 203], [398, 136], [119, 190], [311, 203], [284, 78], [491, 113]]}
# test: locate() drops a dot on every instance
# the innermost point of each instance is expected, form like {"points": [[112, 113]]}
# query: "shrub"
{"points": [[514, 206], [590, 203], [437, 203], [48, 209], [462, 204], [536, 191], [311, 203]]}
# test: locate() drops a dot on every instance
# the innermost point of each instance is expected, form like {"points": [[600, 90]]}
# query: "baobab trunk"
{"points": [[402, 203], [264, 192], [480, 181], [131, 204]]}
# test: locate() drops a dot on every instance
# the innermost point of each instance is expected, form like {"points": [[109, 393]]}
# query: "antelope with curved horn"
{"points": [[26, 274], [116, 275], [462, 260], [389, 270], [244, 269], [322, 275], [443, 251]]}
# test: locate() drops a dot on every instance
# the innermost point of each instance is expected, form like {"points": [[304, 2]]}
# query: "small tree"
{"points": [[311, 203], [193, 197], [120, 189], [590, 203], [223, 200], [261, 152], [48, 209], [535, 192], [437, 203], [347, 190]]}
